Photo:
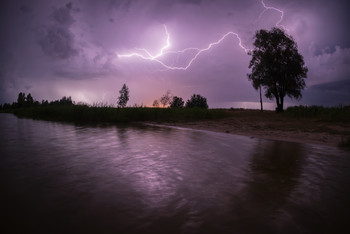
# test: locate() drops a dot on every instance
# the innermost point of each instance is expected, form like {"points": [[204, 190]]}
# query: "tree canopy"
{"points": [[166, 98], [155, 103], [124, 96], [197, 100], [277, 66], [177, 102]]}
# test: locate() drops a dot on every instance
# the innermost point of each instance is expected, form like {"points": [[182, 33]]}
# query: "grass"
{"points": [[340, 113], [83, 113]]}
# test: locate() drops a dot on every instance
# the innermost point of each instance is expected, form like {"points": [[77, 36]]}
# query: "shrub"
{"points": [[177, 102], [197, 101]]}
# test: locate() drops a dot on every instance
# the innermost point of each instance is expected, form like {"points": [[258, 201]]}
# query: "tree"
{"points": [[21, 99], [66, 101], [44, 102], [155, 103], [177, 102], [197, 101], [29, 100], [277, 66], [165, 99], [124, 96]]}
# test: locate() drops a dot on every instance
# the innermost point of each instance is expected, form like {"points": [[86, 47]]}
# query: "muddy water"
{"points": [[64, 178]]}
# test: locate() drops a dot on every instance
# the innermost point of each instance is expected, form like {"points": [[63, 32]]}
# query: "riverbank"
{"points": [[269, 125], [316, 125]]}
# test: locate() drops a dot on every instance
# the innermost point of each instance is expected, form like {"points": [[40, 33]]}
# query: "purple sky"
{"points": [[56, 48]]}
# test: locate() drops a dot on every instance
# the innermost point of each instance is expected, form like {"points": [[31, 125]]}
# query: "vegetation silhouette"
{"points": [[22, 107], [124, 96], [277, 66], [197, 100], [155, 103], [21, 99], [66, 110], [166, 98], [29, 100], [177, 102]]}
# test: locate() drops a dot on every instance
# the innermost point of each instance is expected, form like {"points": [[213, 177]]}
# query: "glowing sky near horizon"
{"points": [[54, 48]]}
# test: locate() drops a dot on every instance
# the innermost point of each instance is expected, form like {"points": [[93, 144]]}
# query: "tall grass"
{"points": [[83, 113], [340, 113]]}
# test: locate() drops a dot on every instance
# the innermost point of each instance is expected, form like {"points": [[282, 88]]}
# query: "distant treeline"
{"points": [[93, 114], [67, 110], [24, 100]]}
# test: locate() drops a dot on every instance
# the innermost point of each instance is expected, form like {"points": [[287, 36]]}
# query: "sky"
{"points": [[78, 48]]}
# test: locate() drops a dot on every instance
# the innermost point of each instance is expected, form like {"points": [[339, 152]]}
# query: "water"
{"points": [[63, 178]]}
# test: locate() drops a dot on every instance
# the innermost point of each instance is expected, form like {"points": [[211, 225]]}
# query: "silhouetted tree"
{"points": [[177, 102], [29, 100], [124, 96], [155, 103], [165, 99], [66, 101], [44, 102], [9, 106], [277, 66], [197, 101], [21, 100]]}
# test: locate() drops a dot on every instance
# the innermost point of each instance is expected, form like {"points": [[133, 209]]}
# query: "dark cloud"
{"points": [[195, 2], [26, 9], [328, 64], [7, 71], [116, 4], [56, 39], [80, 75], [69, 5], [58, 42], [48, 45], [63, 17], [98, 66], [329, 94]]}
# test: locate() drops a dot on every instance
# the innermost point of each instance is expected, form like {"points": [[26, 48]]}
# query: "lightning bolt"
{"points": [[278, 23], [146, 55]]}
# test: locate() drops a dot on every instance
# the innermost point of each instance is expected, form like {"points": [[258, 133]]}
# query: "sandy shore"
{"points": [[269, 125]]}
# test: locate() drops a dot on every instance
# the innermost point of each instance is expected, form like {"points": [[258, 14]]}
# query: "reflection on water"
{"points": [[59, 178]]}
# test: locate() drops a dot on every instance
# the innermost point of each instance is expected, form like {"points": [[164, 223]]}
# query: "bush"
{"points": [[177, 102], [197, 101]]}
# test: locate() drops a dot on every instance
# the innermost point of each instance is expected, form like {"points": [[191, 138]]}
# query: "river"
{"points": [[66, 178]]}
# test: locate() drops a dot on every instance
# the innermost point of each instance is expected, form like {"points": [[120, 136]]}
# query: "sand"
{"points": [[269, 125]]}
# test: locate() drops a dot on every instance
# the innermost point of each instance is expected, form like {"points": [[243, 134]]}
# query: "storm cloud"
{"points": [[56, 39], [57, 48]]}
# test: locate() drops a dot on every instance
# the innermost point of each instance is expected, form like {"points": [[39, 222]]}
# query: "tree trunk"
{"points": [[261, 104], [277, 103], [282, 102], [279, 107]]}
